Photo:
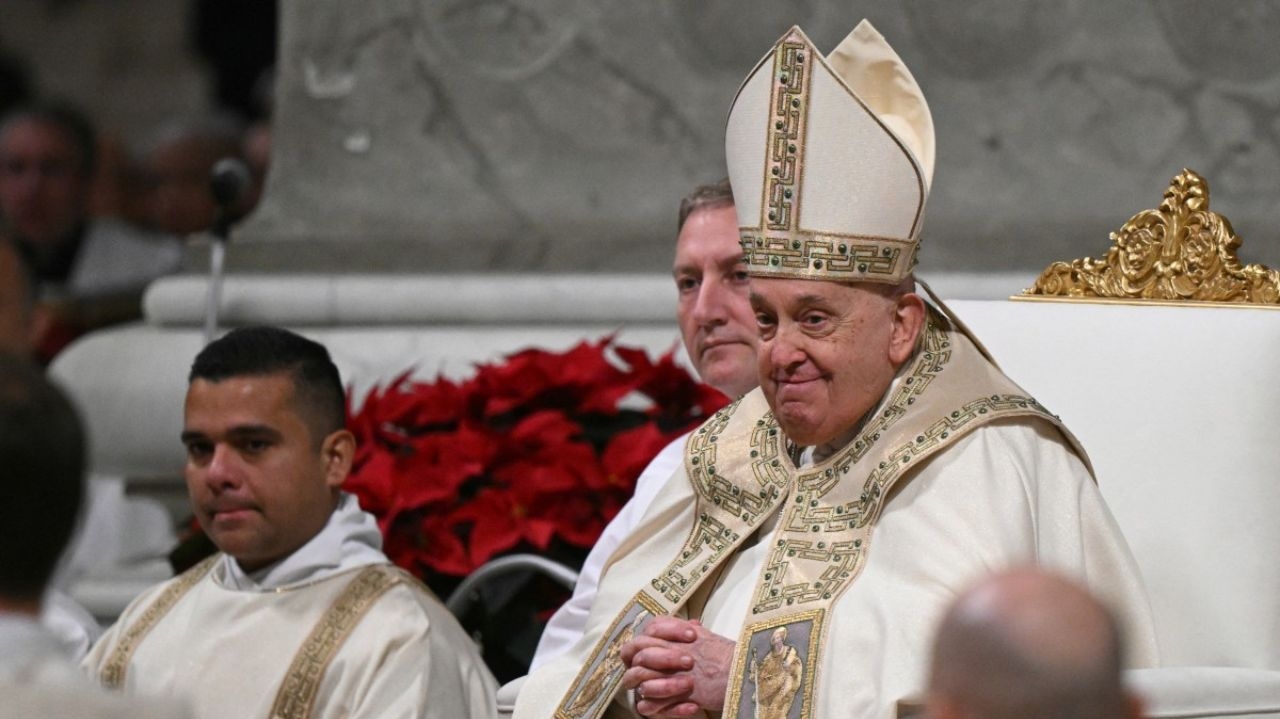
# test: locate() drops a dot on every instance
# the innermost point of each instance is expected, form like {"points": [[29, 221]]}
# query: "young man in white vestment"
{"points": [[884, 463], [719, 335], [42, 458], [301, 614]]}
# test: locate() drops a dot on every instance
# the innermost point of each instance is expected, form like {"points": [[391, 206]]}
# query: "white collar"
{"points": [[348, 540]]}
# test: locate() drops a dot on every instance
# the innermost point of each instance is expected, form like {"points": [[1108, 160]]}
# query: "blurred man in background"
{"points": [[89, 271]]}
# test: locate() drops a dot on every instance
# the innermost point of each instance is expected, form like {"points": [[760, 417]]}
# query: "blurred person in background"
{"points": [[1026, 642], [89, 271], [176, 169]]}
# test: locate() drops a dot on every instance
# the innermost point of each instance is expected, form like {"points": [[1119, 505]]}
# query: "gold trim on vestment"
{"points": [[599, 677], [736, 696], [297, 693], [113, 672]]}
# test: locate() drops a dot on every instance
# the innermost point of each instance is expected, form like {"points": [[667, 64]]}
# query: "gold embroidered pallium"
{"points": [[823, 539], [1180, 251], [738, 463]]}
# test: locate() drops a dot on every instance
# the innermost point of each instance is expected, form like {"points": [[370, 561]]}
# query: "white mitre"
{"points": [[830, 159]]}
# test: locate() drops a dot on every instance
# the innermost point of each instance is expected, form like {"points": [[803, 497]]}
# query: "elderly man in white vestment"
{"points": [[300, 615], [883, 464], [719, 334], [42, 458]]}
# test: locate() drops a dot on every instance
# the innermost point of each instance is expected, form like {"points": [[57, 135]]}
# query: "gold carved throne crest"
{"points": [[1181, 251]]}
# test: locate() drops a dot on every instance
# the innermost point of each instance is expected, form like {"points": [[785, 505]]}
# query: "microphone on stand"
{"points": [[228, 182]]}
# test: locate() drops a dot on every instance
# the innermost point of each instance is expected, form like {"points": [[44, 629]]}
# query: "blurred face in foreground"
{"points": [[828, 351], [713, 310], [261, 485]]}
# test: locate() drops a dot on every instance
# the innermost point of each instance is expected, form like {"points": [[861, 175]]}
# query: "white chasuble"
{"points": [[831, 577], [229, 653], [331, 631]]}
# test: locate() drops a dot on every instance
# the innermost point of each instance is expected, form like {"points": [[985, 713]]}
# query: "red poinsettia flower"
{"points": [[499, 521], [440, 547], [533, 453], [674, 392], [630, 452]]}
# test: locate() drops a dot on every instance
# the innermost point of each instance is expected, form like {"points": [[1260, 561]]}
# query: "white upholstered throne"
{"points": [[1178, 405]]}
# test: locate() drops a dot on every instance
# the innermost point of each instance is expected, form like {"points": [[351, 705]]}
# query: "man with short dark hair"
{"points": [[301, 615], [719, 335], [1028, 643], [42, 458]]}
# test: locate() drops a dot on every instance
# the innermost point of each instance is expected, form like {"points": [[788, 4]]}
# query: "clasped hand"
{"points": [[677, 667]]}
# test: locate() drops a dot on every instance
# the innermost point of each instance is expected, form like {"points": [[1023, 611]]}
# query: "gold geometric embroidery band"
{"points": [[811, 255], [784, 160], [297, 693], [113, 672], [599, 678]]}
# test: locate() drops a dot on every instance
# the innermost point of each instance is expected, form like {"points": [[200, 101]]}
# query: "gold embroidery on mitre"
{"points": [[811, 255], [784, 158], [297, 694], [113, 672], [1180, 251]]}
